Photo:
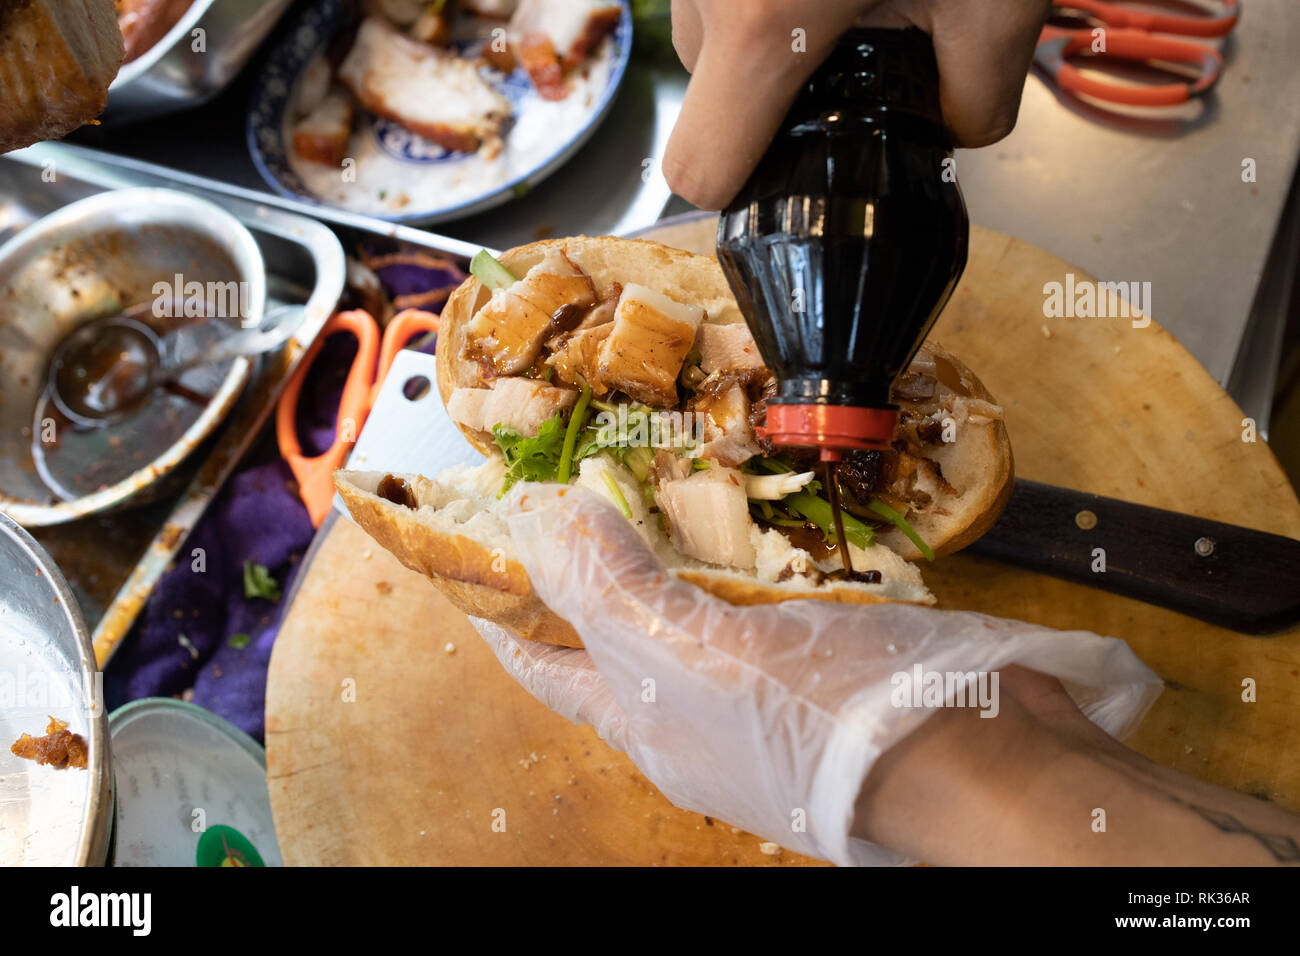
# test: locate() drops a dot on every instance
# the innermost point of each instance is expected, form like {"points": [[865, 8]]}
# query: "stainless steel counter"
{"points": [[1163, 201]]}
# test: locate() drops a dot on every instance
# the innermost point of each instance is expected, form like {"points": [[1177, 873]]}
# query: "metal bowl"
{"points": [[172, 75], [48, 817], [91, 258]]}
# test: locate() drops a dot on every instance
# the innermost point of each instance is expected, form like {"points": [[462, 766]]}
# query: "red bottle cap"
{"points": [[832, 428]]}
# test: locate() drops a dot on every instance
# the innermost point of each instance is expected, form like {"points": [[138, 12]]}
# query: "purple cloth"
{"points": [[257, 516]]}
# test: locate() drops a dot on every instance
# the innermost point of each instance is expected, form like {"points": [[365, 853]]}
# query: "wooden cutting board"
{"points": [[387, 746]]}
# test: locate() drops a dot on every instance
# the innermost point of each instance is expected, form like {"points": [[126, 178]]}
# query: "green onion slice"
{"points": [[617, 492], [818, 511], [577, 421], [899, 522], [488, 270]]}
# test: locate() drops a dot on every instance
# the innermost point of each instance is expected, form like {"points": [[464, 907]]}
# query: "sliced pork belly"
{"points": [[728, 435], [431, 92], [510, 328], [727, 347], [552, 38], [539, 58], [322, 135], [576, 358], [554, 283], [521, 404], [708, 516], [651, 337]]}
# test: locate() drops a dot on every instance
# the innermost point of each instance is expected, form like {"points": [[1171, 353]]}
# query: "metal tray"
{"points": [[82, 162], [113, 560]]}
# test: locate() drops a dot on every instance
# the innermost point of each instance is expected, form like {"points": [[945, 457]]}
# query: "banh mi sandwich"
{"points": [[625, 367]]}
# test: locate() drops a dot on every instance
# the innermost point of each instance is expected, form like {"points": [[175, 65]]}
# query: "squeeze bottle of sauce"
{"points": [[848, 240]]}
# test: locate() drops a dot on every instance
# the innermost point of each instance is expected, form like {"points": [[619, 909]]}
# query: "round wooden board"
{"points": [[436, 746]]}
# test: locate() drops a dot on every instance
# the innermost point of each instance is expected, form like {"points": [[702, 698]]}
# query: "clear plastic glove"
{"points": [[767, 717]]}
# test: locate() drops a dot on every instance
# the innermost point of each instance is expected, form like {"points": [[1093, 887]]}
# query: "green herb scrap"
{"points": [[577, 421], [258, 582], [530, 459], [899, 522], [239, 641], [619, 498], [554, 452]]}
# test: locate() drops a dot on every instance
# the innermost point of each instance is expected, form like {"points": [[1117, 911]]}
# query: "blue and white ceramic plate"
{"points": [[399, 176]]}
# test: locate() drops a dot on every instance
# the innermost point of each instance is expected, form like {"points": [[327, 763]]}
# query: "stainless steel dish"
{"points": [[113, 559], [90, 258], [48, 817], [179, 72]]}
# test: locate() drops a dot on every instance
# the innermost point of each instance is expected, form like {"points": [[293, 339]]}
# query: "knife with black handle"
{"points": [[1234, 577]]}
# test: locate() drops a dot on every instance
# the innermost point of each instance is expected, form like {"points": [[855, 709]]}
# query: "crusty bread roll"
{"points": [[456, 537], [451, 527], [57, 59]]}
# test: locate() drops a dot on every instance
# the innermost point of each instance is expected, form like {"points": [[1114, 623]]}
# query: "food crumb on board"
{"points": [[450, 648], [365, 555], [770, 849], [528, 761], [1047, 333], [383, 587]]}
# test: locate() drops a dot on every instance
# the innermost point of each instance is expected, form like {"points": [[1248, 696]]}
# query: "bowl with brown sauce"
{"points": [[180, 265]]}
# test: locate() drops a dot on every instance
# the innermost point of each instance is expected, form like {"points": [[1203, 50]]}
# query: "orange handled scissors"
{"points": [[1121, 34], [375, 354]]}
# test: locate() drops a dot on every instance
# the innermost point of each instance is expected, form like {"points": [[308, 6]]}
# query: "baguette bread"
{"points": [[57, 59], [452, 527]]}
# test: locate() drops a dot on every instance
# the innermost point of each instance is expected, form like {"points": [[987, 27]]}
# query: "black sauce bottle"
{"points": [[848, 239]]}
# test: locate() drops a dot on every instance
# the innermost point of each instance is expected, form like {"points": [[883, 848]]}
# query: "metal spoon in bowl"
{"points": [[108, 367]]}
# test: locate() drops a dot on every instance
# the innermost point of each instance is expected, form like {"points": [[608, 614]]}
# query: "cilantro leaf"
{"points": [[258, 582], [530, 459], [239, 641]]}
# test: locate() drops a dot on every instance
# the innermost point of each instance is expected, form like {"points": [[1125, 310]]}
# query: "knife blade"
{"points": [[1235, 577]]}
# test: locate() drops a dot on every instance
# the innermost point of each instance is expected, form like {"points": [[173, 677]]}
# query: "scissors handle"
{"points": [[375, 354], [1055, 45], [402, 327], [314, 473], [1113, 15]]}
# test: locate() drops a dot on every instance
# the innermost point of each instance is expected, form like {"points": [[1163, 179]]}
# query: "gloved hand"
{"points": [[767, 717]]}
